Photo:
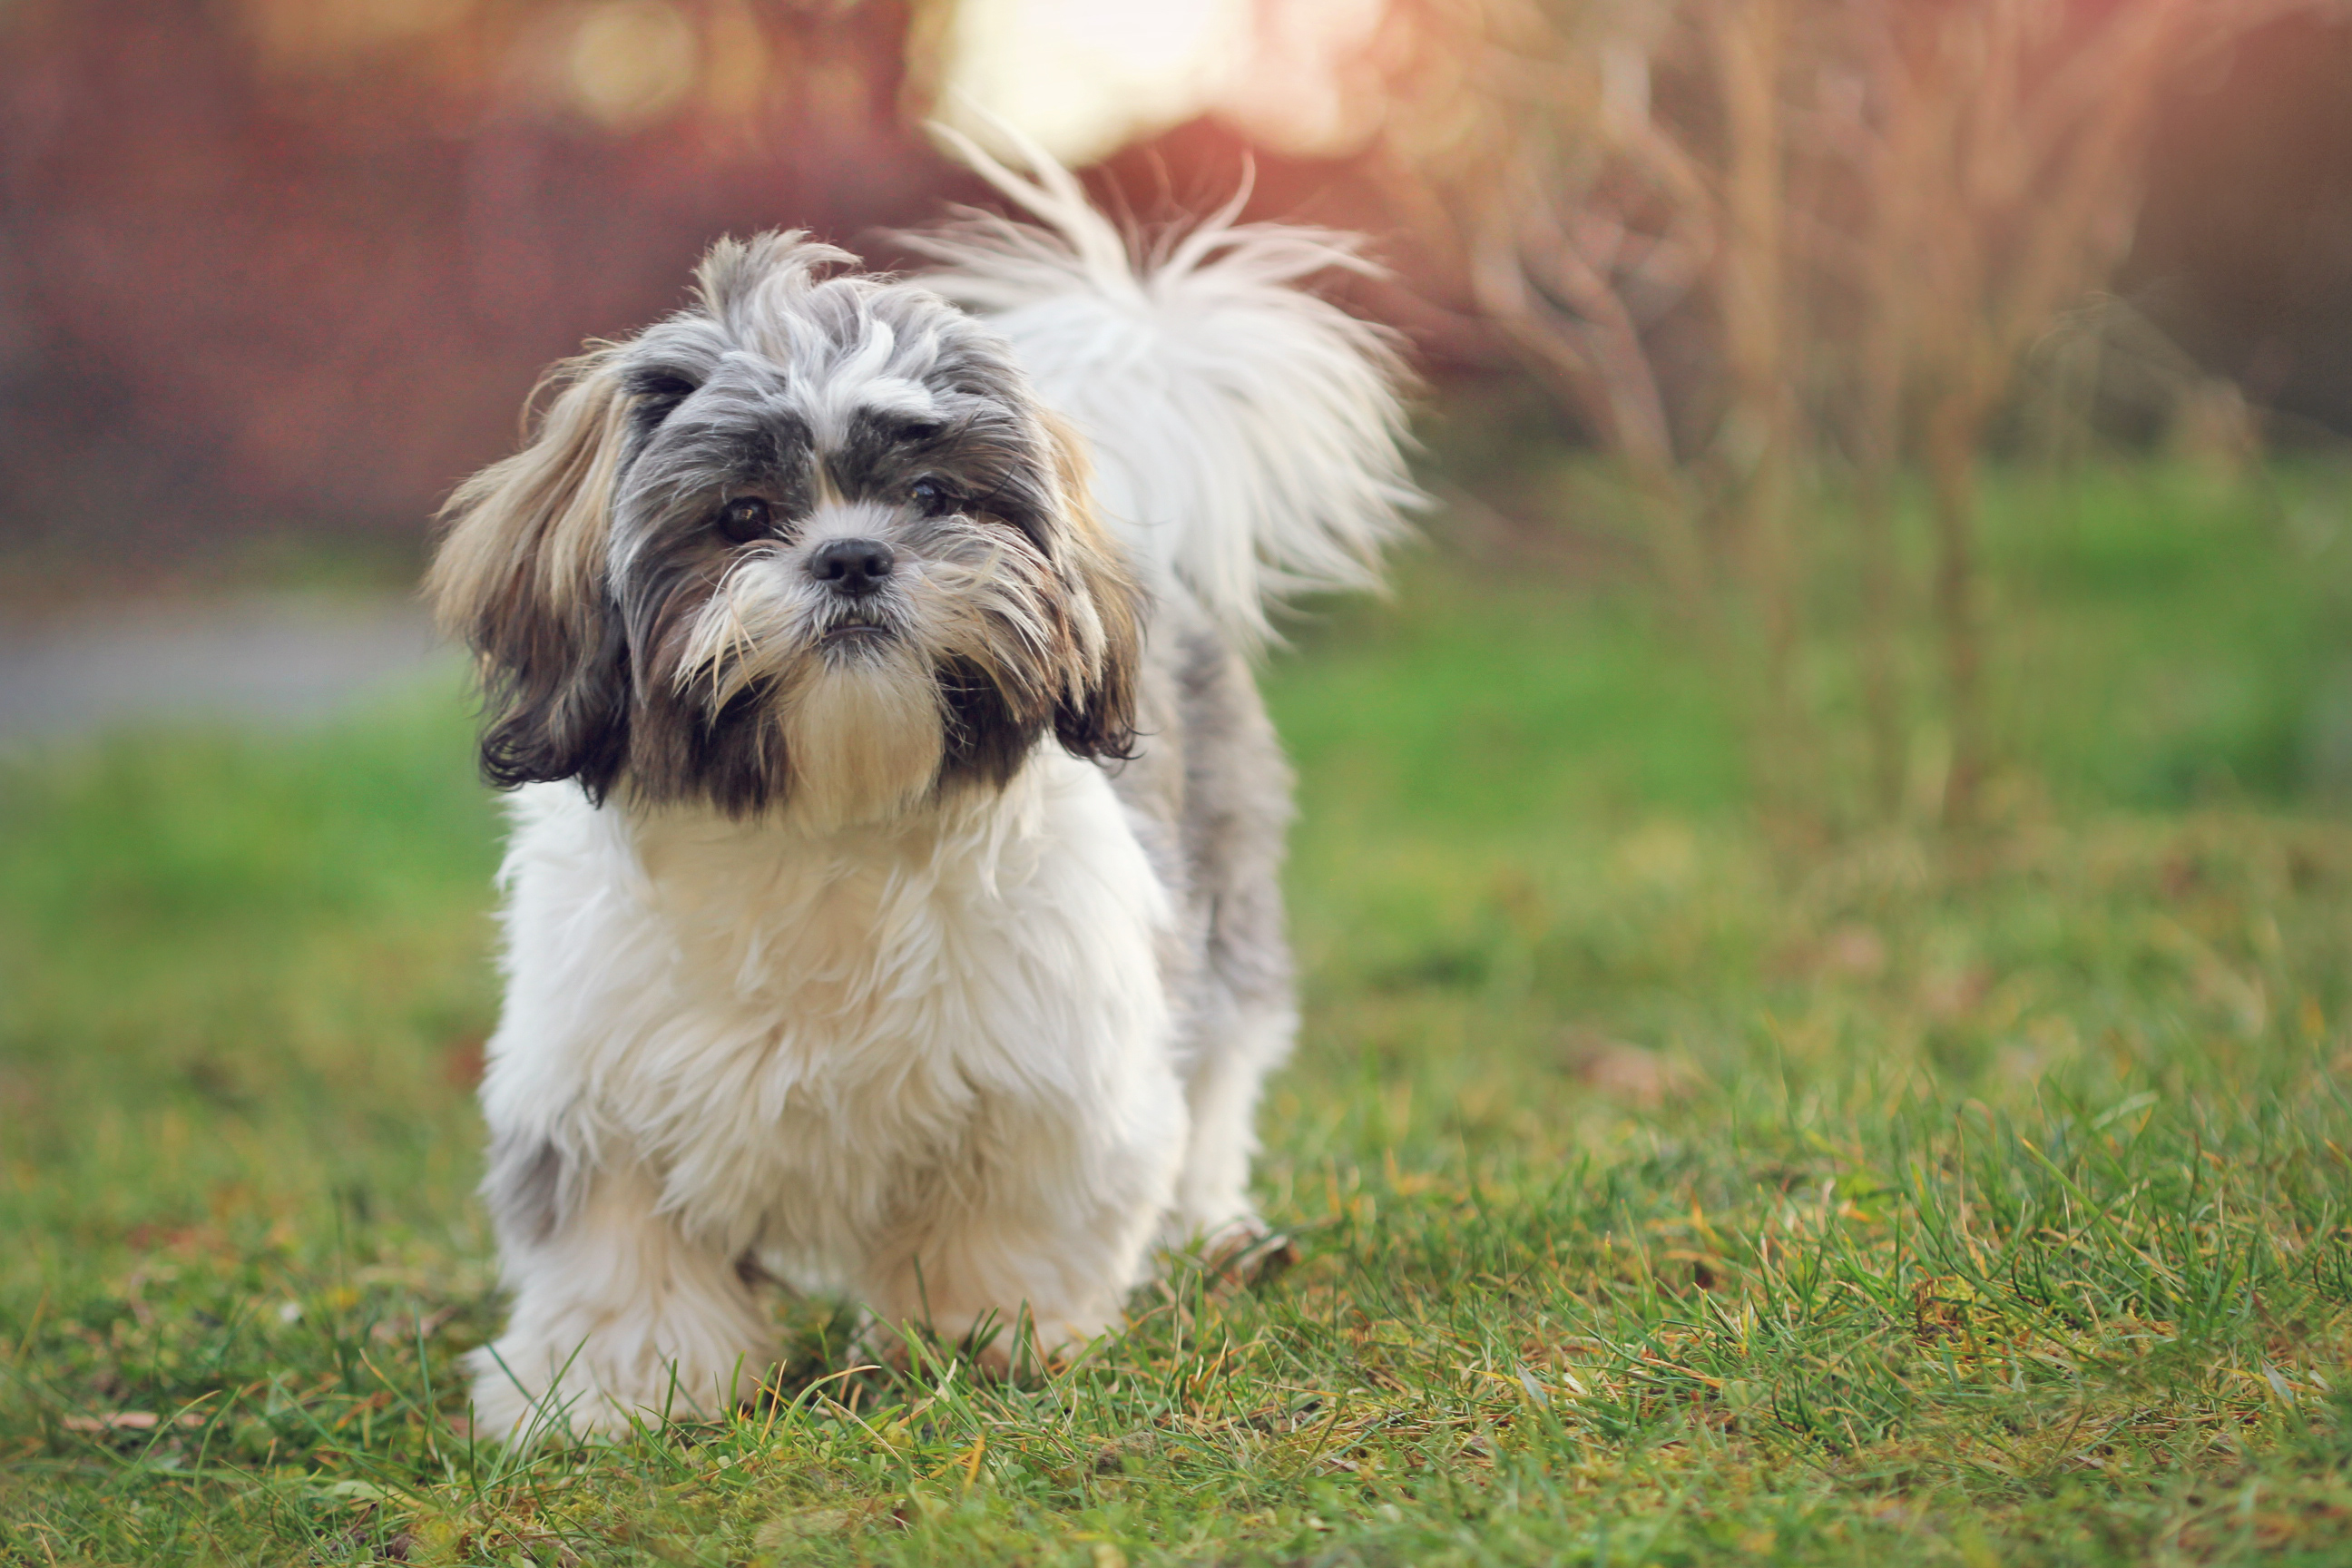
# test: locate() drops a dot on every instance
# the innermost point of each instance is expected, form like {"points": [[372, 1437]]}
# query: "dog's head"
{"points": [[811, 543]]}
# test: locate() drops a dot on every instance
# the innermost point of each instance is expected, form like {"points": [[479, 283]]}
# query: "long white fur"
{"points": [[1246, 433], [763, 1039], [832, 1045]]}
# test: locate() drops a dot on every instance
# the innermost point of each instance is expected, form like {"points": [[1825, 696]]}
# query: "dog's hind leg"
{"points": [[1212, 1202], [1236, 807]]}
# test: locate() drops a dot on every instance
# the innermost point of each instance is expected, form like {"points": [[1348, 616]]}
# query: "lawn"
{"points": [[1670, 1187]]}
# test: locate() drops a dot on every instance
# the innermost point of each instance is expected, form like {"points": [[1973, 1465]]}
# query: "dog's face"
{"points": [[810, 545]]}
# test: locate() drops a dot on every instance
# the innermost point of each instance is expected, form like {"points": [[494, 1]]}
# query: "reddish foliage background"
{"points": [[233, 299], [240, 296]]}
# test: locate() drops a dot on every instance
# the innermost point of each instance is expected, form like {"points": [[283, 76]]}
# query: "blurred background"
{"points": [[1729, 298], [286, 268]]}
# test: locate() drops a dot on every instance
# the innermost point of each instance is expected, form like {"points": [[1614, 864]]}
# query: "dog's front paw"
{"points": [[525, 1394], [998, 1344]]}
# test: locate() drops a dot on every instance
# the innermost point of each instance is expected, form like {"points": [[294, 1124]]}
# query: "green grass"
{"points": [[1666, 1194]]}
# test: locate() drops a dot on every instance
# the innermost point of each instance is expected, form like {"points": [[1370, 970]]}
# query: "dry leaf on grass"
{"points": [[408, 1330], [1638, 1076], [125, 1421]]}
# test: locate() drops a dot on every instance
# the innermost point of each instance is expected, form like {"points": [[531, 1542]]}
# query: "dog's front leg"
{"points": [[619, 1316], [1038, 1237]]}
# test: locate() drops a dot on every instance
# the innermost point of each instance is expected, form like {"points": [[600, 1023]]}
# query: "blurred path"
{"points": [[272, 658]]}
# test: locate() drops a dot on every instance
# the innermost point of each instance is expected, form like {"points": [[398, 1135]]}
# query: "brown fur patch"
{"points": [[518, 576], [1095, 716]]}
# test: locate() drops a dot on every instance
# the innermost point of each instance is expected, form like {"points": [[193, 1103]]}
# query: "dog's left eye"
{"points": [[745, 519], [931, 496]]}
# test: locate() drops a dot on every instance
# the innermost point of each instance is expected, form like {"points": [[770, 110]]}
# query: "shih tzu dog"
{"points": [[892, 903]]}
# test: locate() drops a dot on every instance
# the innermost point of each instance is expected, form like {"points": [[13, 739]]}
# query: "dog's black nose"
{"points": [[852, 566]]}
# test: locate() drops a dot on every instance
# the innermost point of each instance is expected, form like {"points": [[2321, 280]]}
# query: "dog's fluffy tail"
{"points": [[1246, 433]]}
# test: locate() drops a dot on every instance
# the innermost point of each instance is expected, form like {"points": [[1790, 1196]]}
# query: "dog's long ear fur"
{"points": [[519, 576], [1095, 716]]}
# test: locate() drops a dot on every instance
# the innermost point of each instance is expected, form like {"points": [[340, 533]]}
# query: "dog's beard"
{"points": [[863, 737], [853, 693], [849, 691]]}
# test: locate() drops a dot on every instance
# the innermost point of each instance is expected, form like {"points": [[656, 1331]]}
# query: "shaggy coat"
{"points": [[892, 905]]}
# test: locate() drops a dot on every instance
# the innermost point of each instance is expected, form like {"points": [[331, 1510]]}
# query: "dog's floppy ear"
{"points": [[519, 576], [1095, 716]]}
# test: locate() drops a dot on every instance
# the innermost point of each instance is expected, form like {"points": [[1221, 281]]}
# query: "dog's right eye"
{"points": [[745, 519]]}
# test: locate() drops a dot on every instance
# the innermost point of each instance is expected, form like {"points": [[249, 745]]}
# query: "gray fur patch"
{"points": [[1211, 791], [525, 1188]]}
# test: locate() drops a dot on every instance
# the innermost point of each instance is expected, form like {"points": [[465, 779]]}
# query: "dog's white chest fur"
{"points": [[812, 1041]]}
